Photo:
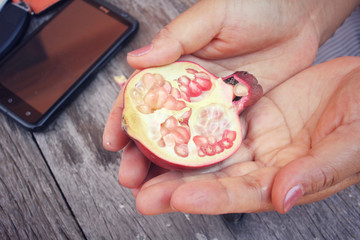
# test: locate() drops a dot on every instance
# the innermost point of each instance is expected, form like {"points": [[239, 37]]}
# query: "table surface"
{"points": [[61, 184]]}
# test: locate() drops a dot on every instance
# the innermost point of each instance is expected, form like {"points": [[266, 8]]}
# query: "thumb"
{"points": [[186, 34], [331, 165]]}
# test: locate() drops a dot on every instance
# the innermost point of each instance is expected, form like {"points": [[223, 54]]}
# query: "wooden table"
{"points": [[62, 184]]}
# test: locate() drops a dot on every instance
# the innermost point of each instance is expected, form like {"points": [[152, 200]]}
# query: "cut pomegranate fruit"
{"points": [[182, 117]]}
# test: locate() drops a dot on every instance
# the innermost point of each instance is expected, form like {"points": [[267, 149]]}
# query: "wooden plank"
{"points": [[31, 205], [337, 217]]}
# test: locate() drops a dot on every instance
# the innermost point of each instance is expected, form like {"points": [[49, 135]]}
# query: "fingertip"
{"points": [[287, 188], [134, 167], [163, 50]]}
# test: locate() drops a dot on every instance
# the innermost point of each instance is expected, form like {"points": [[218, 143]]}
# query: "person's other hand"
{"points": [[271, 39]]}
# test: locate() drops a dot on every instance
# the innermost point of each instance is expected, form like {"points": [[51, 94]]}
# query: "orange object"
{"points": [[38, 6]]}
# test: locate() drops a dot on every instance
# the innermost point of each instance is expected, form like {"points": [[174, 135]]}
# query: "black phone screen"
{"points": [[54, 58]]}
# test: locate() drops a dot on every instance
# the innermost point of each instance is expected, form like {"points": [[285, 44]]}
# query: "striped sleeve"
{"points": [[345, 41]]}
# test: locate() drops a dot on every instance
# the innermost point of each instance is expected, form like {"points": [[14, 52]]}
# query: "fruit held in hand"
{"points": [[182, 117]]}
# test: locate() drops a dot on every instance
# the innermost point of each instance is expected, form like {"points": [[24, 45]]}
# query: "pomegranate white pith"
{"points": [[182, 116]]}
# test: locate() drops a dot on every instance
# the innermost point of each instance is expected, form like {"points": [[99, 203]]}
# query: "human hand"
{"points": [[271, 39], [302, 134]]}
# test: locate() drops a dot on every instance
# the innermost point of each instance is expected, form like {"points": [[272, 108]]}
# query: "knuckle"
{"points": [[327, 177]]}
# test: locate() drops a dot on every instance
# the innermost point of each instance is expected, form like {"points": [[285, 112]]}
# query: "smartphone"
{"points": [[42, 74]]}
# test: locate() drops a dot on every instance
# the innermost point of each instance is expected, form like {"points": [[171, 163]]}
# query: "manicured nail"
{"points": [[141, 51], [292, 196]]}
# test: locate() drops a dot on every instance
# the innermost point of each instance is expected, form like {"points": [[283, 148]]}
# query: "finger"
{"points": [[134, 167], [248, 193], [186, 34], [114, 138], [331, 161]]}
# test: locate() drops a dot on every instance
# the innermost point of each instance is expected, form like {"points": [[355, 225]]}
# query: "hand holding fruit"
{"points": [[270, 152]]}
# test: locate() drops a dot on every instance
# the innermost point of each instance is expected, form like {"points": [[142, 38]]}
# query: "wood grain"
{"points": [[61, 184]]}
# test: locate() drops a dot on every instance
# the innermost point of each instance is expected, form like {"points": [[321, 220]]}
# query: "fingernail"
{"points": [[292, 196], [141, 51]]}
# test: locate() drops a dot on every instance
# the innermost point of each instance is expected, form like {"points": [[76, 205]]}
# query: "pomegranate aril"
{"points": [[150, 99], [148, 79], [144, 109], [204, 84], [164, 130], [169, 140], [202, 75], [184, 81], [229, 135], [170, 103], [191, 70], [167, 86], [161, 143], [195, 89], [178, 137], [180, 105], [182, 150], [185, 117], [184, 132], [200, 141], [175, 92], [209, 150], [162, 95], [136, 96], [159, 80], [170, 123], [225, 143], [185, 96]]}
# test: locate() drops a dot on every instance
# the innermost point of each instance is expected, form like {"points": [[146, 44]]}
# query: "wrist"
{"points": [[327, 16]]}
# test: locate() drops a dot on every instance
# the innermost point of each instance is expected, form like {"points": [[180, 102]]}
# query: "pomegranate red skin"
{"points": [[255, 93]]}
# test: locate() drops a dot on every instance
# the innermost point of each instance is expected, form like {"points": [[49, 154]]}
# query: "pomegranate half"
{"points": [[182, 117]]}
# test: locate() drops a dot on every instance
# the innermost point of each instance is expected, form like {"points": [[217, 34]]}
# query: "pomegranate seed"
{"points": [[185, 96], [195, 89], [225, 143], [170, 123], [178, 137], [164, 130], [167, 86], [161, 143], [170, 103], [162, 95], [219, 148], [229, 135], [159, 80], [185, 89], [209, 150], [180, 105], [182, 150], [204, 84], [184, 132], [211, 140], [150, 99], [136, 96], [202, 75], [201, 153], [175, 92], [240, 90], [148, 79], [144, 109], [185, 117], [169, 140], [184, 81], [191, 70], [200, 141]]}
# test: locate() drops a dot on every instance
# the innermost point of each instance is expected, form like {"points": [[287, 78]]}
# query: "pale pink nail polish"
{"points": [[141, 51], [292, 196]]}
